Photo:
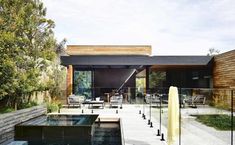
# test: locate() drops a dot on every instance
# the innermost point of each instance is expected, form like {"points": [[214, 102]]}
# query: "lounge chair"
{"points": [[116, 100], [75, 101]]}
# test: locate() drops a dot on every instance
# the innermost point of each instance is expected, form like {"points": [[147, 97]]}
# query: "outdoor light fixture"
{"points": [[195, 78], [207, 77]]}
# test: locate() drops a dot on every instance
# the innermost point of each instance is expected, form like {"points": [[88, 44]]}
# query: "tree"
{"points": [[57, 73], [26, 37], [213, 51]]}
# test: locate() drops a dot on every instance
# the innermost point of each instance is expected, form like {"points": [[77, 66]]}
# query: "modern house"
{"points": [[94, 70]]}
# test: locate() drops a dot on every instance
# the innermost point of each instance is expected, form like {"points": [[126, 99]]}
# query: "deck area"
{"points": [[136, 131]]}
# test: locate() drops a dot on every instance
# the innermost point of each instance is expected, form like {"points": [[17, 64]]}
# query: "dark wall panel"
{"points": [[184, 78], [105, 80]]}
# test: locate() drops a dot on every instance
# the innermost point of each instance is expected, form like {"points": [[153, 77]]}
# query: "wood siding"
{"points": [[224, 70], [69, 84], [109, 50]]}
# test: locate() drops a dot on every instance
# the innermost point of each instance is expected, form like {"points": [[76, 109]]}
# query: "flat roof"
{"points": [[135, 60]]}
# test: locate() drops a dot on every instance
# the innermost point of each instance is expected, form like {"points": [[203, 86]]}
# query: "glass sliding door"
{"points": [[83, 83]]}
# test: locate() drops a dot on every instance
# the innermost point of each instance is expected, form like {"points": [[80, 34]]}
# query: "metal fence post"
{"points": [[143, 115], [180, 115], [160, 126], [232, 117]]}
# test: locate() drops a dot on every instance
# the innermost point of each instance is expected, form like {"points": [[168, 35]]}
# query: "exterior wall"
{"points": [[224, 77], [69, 82], [224, 70], [9, 120], [106, 80], [186, 77], [109, 50]]}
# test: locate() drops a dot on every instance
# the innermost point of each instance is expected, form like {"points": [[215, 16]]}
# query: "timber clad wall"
{"points": [[224, 77], [109, 50], [69, 80], [224, 70]]}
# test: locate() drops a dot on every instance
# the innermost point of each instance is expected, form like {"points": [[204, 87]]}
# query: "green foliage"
{"points": [[140, 86], [219, 122], [156, 79], [53, 107], [26, 40], [27, 105], [82, 83], [57, 78], [6, 110]]}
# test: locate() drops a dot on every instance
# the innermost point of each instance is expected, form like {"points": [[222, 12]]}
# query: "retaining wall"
{"points": [[9, 120]]}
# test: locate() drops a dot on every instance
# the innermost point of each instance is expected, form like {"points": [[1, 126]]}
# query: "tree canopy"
{"points": [[26, 41]]}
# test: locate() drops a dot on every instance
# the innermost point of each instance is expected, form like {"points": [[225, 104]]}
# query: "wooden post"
{"points": [[69, 84]]}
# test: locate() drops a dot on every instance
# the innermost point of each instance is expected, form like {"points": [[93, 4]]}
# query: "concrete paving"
{"points": [[194, 132], [136, 130]]}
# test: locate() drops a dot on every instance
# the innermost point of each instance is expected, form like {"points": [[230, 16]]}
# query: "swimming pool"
{"points": [[68, 130]]}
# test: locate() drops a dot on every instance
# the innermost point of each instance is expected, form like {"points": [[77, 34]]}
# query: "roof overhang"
{"points": [[121, 60]]}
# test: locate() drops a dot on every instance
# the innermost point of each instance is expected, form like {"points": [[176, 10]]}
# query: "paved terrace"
{"points": [[137, 132], [135, 128]]}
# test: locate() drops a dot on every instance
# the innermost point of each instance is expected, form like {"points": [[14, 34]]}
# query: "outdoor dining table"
{"points": [[93, 102]]}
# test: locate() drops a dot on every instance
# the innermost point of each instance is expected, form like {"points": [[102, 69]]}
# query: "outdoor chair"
{"points": [[153, 99], [147, 98], [116, 100], [196, 100], [75, 101]]}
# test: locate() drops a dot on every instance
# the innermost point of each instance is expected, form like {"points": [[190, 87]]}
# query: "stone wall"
{"points": [[9, 120]]}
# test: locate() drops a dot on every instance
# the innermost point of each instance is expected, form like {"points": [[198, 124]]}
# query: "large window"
{"points": [[157, 79], [83, 83]]}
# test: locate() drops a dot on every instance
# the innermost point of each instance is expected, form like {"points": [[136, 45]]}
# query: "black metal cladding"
{"points": [[135, 60]]}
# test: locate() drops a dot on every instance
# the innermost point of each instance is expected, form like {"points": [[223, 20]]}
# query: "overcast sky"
{"points": [[185, 27]]}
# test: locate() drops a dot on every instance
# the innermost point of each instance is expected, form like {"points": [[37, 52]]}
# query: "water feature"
{"points": [[68, 130]]}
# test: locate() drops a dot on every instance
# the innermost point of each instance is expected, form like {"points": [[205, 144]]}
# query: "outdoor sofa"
{"points": [[75, 101]]}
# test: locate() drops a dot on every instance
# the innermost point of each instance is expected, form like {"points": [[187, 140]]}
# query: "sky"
{"points": [[182, 27]]}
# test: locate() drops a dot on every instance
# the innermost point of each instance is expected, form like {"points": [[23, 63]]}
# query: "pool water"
{"points": [[107, 134], [62, 120], [68, 130]]}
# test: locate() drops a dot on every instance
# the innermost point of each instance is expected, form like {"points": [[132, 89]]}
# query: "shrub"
{"points": [[27, 105], [6, 110], [53, 107]]}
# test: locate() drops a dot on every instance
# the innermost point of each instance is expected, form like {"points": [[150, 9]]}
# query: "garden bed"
{"points": [[218, 121]]}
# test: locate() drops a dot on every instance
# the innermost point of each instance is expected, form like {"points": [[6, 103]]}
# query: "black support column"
{"points": [[147, 68]]}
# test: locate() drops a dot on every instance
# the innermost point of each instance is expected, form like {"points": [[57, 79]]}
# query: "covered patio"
{"points": [[103, 75]]}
